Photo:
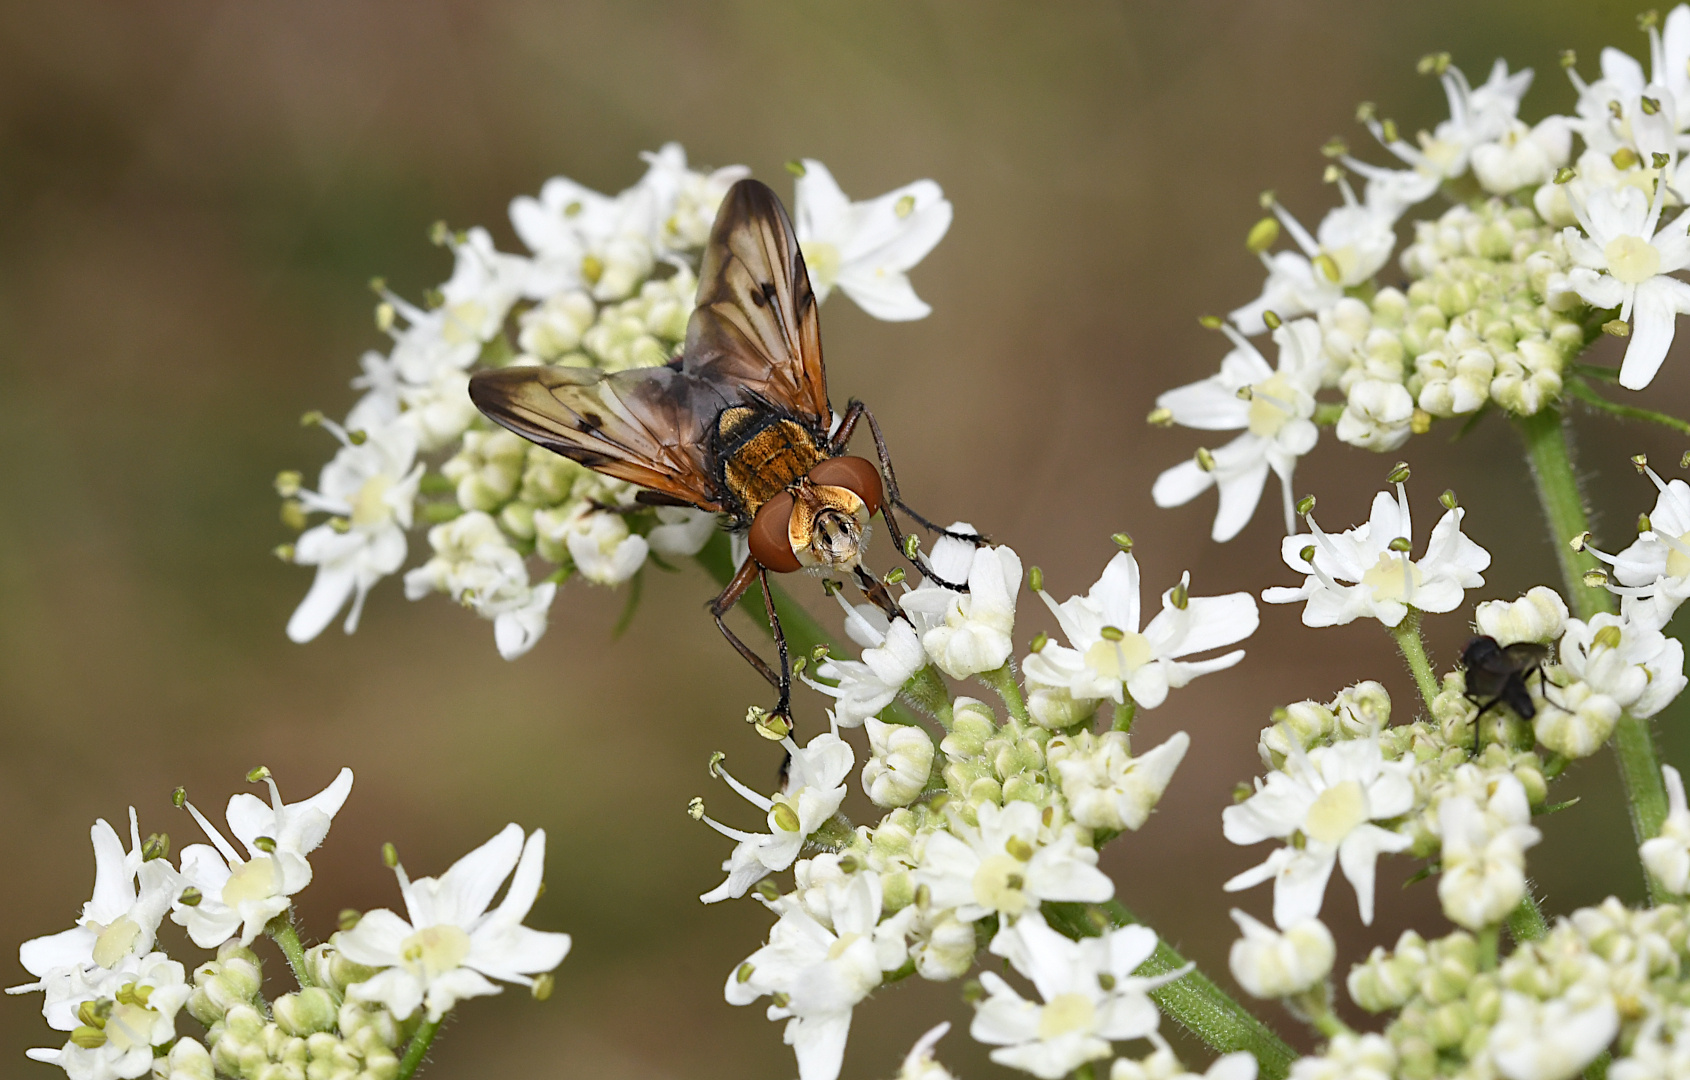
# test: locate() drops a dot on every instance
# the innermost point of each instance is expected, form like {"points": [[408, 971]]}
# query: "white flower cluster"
{"points": [[608, 282], [1559, 230], [993, 822], [380, 981]]}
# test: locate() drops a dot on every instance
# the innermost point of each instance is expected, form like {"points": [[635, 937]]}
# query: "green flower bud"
{"points": [[310, 1010]]}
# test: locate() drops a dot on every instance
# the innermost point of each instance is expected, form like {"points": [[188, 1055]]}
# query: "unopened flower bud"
{"points": [[1271, 964], [188, 1060], [900, 762], [309, 1010], [1539, 616]]}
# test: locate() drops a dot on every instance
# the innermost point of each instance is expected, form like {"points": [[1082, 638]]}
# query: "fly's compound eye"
{"points": [[769, 538], [854, 474]]}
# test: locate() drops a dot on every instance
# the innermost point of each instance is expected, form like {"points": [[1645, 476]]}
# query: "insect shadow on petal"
{"points": [[738, 425]]}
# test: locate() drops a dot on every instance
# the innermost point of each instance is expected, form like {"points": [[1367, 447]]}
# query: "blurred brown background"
{"points": [[192, 198]]}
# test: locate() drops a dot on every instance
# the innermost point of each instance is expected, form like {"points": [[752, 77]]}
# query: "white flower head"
{"points": [[1367, 571], [1477, 115], [682, 531], [483, 286], [901, 762], [1554, 1039], [370, 488], [118, 923], [1270, 964], [891, 656], [1275, 420], [1090, 995], [1667, 854], [449, 945], [603, 548], [240, 893], [1484, 860], [815, 786], [1539, 617], [138, 1004], [1008, 864], [1105, 785], [1331, 795], [1654, 571], [1378, 415], [1108, 656], [1625, 258], [1635, 664], [1523, 156], [866, 249], [817, 974], [967, 633], [475, 565]]}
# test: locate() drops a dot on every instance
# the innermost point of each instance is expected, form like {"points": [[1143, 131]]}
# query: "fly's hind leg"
{"points": [[856, 411], [725, 602]]}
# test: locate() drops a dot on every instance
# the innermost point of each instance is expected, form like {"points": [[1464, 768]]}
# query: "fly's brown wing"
{"points": [[649, 426], [755, 324]]}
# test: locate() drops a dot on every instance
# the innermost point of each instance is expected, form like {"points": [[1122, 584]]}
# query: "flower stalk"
{"points": [[417, 1048], [281, 931], [1413, 649]]}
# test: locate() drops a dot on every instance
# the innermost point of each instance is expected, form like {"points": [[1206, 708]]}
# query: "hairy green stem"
{"points": [[1580, 389], [1490, 939], [1563, 504], [927, 690], [1125, 712], [1193, 1001], [281, 931], [417, 1047], [1413, 649], [1003, 681], [1525, 922]]}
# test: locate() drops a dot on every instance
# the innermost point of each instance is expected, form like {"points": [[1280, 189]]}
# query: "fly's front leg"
{"points": [[784, 684], [724, 603], [876, 593]]}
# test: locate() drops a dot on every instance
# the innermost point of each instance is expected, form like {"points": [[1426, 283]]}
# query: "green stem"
{"points": [[1193, 1001], [803, 632], [1489, 940], [1125, 712], [1525, 922], [1580, 389], [927, 690], [1003, 681], [417, 1047], [281, 931], [1563, 505], [1413, 649]]}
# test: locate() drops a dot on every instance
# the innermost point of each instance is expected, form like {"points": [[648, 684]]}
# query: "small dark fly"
{"points": [[1497, 674], [739, 424]]}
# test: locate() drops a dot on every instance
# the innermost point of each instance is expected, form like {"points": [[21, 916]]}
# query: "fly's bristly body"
{"points": [[739, 425]]}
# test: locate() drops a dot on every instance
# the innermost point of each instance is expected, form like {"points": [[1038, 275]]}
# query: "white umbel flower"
{"points": [[139, 1003], [1667, 854], [817, 975], [1107, 655], [449, 946], [815, 786], [1105, 785], [1008, 865], [1654, 571], [969, 632], [1271, 964], [1484, 860], [370, 488], [1331, 795], [866, 249], [919, 1063], [1367, 571], [1554, 1039], [1636, 665], [1625, 258], [1090, 997], [475, 565], [240, 893], [1539, 617], [1477, 115], [901, 761], [118, 923], [891, 656], [1275, 420], [1352, 242]]}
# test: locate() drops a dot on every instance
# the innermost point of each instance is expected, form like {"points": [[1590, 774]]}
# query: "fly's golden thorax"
{"points": [[767, 462]]}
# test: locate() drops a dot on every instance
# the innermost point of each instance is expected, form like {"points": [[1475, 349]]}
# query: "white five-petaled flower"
{"points": [[1274, 416], [483, 286], [1483, 856], [1611, 113], [1476, 115], [240, 893], [1008, 865], [966, 633], [475, 565], [1107, 655], [1270, 964], [1091, 997], [448, 946], [865, 249], [1331, 795], [1367, 571], [138, 1003], [1637, 666], [370, 487], [1667, 854], [1654, 571], [1352, 242], [892, 654], [816, 975], [119, 922], [1105, 785], [1625, 259], [815, 786]]}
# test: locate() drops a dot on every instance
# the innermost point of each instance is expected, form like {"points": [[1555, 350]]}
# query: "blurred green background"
{"points": [[192, 199]]}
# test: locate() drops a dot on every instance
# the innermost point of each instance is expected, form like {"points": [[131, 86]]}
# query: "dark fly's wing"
{"points": [[649, 426], [755, 324]]}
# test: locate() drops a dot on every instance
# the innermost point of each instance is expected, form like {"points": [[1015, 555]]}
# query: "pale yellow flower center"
{"points": [[435, 950], [845, 941], [130, 1026], [369, 506], [115, 941], [1271, 402], [998, 884], [1678, 564], [462, 321], [822, 260], [1338, 810], [1388, 580], [1632, 259], [1065, 1013], [255, 880], [1119, 659]]}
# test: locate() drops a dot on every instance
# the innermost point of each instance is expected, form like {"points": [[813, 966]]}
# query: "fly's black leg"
{"points": [[784, 708], [856, 411], [725, 602]]}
